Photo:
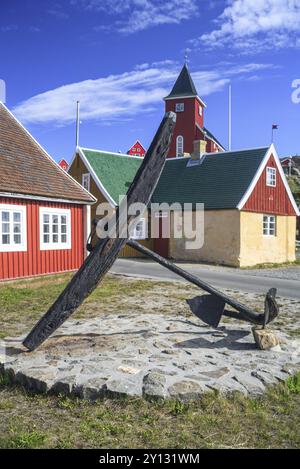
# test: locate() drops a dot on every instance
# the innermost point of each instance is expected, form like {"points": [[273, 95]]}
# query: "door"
{"points": [[161, 242]]}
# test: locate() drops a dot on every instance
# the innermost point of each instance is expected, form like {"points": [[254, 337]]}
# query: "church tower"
{"points": [[189, 108]]}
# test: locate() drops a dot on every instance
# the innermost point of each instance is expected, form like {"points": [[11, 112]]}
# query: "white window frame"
{"points": [[200, 111], [51, 246], [269, 225], [13, 247], [86, 177], [179, 107], [271, 176], [140, 234], [179, 146]]}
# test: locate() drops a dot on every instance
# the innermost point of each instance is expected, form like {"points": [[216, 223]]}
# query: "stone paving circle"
{"points": [[158, 356]]}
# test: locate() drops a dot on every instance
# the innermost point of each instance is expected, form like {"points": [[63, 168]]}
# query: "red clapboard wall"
{"points": [[265, 199], [36, 262]]}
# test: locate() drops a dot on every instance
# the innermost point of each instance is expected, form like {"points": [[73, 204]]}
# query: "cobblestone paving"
{"points": [[156, 355]]}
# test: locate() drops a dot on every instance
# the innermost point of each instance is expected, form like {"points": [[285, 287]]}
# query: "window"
{"points": [[269, 225], [55, 228], [140, 230], [271, 177], [179, 146], [86, 181], [200, 111], [13, 229], [179, 107]]}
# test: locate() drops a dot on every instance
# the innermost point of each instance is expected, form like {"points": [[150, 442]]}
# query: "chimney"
{"points": [[199, 149]]}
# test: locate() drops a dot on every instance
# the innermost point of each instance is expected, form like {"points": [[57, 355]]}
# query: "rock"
{"points": [[186, 390], [129, 370], [91, 389], [218, 373], [253, 385], [118, 388], [154, 384], [265, 339]]}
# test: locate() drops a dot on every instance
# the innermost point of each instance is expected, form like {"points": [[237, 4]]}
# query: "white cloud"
{"points": [[256, 25], [119, 97], [138, 15], [8, 28]]}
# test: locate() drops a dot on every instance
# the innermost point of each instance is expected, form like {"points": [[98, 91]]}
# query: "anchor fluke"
{"points": [[208, 308]]}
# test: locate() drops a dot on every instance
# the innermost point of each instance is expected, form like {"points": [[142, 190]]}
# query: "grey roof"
{"points": [[184, 85]]}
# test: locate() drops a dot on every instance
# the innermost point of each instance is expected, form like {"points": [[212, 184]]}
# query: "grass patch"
{"points": [[23, 302], [213, 422], [272, 265]]}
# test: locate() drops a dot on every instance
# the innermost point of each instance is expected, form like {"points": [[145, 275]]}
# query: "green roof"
{"points": [[219, 181], [115, 171], [184, 85]]}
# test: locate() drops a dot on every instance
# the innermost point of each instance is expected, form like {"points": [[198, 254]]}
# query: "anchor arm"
{"points": [[271, 309]]}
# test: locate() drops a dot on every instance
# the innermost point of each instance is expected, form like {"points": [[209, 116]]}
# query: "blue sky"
{"points": [[119, 58]]}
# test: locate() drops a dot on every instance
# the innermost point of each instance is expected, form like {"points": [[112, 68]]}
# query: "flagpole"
{"points": [[77, 123], [230, 119]]}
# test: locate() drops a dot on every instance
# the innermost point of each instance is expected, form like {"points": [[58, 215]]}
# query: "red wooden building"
{"points": [[190, 109], [63, 164], [44, 212], [137, 150]]}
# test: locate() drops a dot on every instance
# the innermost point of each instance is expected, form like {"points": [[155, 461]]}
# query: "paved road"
{"points": [[218, 276]]}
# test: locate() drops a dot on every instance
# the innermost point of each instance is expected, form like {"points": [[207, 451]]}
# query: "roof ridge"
{"points": [[111, 153]]}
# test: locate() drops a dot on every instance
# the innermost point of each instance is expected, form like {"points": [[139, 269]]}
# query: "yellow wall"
{"points": [[259, 249], [221, 239], [76, 170], [236, 238]]}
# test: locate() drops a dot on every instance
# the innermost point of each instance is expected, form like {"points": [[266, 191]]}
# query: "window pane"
{"points": [[17, 239], [5, 228], [63, 228], [63, 220], [63, 238], [5, 216], [17, 228], [46, 228], [5, 239], [46, 218], [55, 238], [46, 239], [54, 218], [55, 228], [17, 217]]}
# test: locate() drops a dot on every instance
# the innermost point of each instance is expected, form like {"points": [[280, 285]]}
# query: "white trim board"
{"points": [[95, 177], [271, 151], [44, 199], [46, 153], [121, 155]]}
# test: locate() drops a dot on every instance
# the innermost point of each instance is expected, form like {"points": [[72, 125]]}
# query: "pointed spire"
{"points": [[184, 85]]}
